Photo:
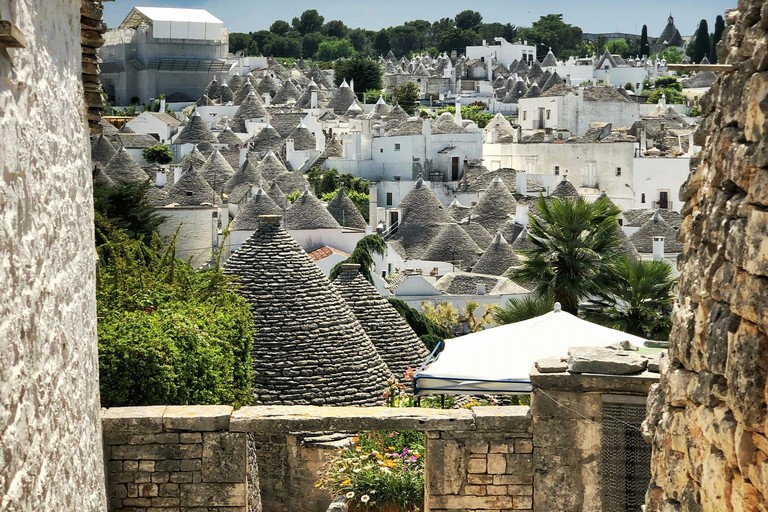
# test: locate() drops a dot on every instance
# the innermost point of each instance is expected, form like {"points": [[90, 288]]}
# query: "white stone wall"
{"points": [[50, 432]]}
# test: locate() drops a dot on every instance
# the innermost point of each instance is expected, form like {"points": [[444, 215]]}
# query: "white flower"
{"points": [[350, 495], [365, 498]]}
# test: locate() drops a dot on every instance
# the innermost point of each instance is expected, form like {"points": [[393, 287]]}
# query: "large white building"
{"points": [[502, 51]]}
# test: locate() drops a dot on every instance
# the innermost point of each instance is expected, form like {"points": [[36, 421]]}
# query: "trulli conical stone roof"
{"points": [[245, 177], [244, 91], [458, 211], [519, 90], [225, 94], [195, 132], [308, 348], [552, 81], [522, 242], [290, 182], [626, 247], [444, 123], [251, 108], [99, 177], [535, 72], [194, 158], [393, 338], [102, 151], [247, 218], [267, 85], [549, 60], [217, 171], [642, 239], [479, 234], [511, 231], [123, 169], [422, 218], [565, 189], [235, 82], [453, 245], [212, 89], [267, 139], [191, 190], [497, 258], [333, 148], [342, 99], [204, 101], [494, 208], [303, 139], [345, 212], [227, 136], [521, 68], [277, 195], [308, 212], [305, 100], [534, 91], [288, 93], [543, 78], [270, 166]]}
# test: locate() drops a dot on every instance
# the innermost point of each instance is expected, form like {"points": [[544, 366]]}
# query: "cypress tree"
{"points": [[701, 42], [719, 28], [645, 49]]}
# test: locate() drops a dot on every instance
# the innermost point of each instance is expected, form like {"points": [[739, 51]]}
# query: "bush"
{"points": [[158, 153], [428, 331]]}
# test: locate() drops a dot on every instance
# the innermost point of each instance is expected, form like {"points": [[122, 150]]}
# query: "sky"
{"points": [[590, 15]]}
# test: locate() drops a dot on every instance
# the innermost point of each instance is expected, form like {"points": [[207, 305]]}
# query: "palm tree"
{"points": [[573, 239], [517, 310], [366, 248], [638, 301]]}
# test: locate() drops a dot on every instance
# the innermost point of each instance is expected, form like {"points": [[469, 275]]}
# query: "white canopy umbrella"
{"points": [[498, 360]]}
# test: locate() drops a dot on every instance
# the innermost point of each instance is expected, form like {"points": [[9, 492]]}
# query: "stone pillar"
{"points": [[50, 433]]}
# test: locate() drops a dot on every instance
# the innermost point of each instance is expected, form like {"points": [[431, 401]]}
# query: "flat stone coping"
{"points": [[638, 383], [159, 418], [297, 418]]}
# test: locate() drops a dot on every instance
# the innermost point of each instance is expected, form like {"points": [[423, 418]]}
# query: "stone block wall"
{"points": [[174, 458], [487, 469], [708, 416]]}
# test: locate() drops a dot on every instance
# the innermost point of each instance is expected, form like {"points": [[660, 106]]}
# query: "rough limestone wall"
{"points": [[708, 416], [50, 435]]}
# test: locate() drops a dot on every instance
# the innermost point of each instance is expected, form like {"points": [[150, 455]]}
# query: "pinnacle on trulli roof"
{"points": [[565, 189], [422, 218], [246, 176], [393, 338], [251, 108], [191, 190], [195, 131], [217, 170], [494, 208], [308, 348], [345, 211], [227, 136], [458, 211], [534, 91], [453, 245], [247, 218], [342, 99], [212, 89], [102, 151], [497, 258], [308, 212], [123, 169], [270, 166]]}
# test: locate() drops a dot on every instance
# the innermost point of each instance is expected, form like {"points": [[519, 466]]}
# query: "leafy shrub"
{"points": [[159, 153]]}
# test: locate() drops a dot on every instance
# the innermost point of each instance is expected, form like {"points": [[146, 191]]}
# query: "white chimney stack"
{"points": [[176, 174], [658, 248], [267, 99], [457, 116], [161, 179], [162, 104], [313, 100], [521, 214], [521, 183]]}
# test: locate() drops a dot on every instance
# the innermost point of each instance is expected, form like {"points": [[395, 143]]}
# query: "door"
{"points": [[455, 168], [663, 199], [541, 118], [394, 216]]}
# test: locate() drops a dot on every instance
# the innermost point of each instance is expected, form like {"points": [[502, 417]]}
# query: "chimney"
{"points": [[457, 116], [313, 100], [352, 84], [161, 178], [521, 214], [658, 248], [521, 183], [269, 220], [349, 270], [176, 174], [162, 104], [267, 99], [480, 289]]}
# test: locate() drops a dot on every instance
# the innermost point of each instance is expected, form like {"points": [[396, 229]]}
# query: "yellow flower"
{"points": [[318, 484], [359, 449], [355, 439], [346, 482]]}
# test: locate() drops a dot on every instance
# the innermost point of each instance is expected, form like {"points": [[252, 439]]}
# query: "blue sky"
{"points": [[590, 15]]}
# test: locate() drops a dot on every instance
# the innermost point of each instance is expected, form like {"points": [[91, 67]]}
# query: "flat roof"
{"points": [[176, 14]]}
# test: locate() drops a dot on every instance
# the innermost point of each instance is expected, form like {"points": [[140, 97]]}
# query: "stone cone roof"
{"points": [[204, 101], [308, 212], [397, 344], [286, 94], [303, 139], [227, 136], [458, 211], [123, 169], [552, 81], [277, 195], [543, 78], [444, 123], [453, 245], [195, 132], [126, 129], [99, 177], [626, 247], [494, 208], [246, 176], [333, 148], [225, 94], [521, 68], [342, 99], [522, 243], [397, 113], [251, 108], [268, 139], [642, 239], [534, 91], [194, 158], [519, 90], [212, 89], [497, 258], [479, 234], [305, 100], [217, 171], [565, 189], [345, 212], [535, 72], [549, 60], [422, 218], [102, 151], [247, 218], [267, 85], [191, 190], [511, 231], [244, 91], [290, 182], [308, 348], [270, 166], [235, 82]]}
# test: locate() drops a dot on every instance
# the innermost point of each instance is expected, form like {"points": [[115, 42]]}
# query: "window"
{"points": [[548, 113], [525, 115], [557, 170], [389, 198], [381, 150], [618, 171], [642, 198], [397, 147]]}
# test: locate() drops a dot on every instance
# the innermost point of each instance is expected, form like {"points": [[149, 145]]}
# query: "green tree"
{"points": [[441, 313], [645, 48], [701, 42], [428, 331], [159, 153], [517, 310], [638, 300], [381, 42], [125, 207], [407, 96], [423, 31], [238, 41], [363, 254], [673, 55], [617, 47], [360, 40], [469, 20], [280, 28], [573, 240], [403, 40], [365, 72], [310, 43], [716, 37], [309, 21], [552, 31], [335, 28], [332, 49], [457, 39], [281, 46]]}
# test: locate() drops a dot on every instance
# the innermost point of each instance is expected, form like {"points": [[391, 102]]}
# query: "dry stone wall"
{"points": [[708, 417], [50, 434]]}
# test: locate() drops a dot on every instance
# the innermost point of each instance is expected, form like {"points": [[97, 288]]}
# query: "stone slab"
{"points": [[145, 420], [605, 361], [197, 418], [514, 418], [634, 384], [552, 365], [282, 419]]}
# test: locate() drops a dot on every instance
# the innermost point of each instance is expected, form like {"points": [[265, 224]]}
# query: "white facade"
{"points": [[198, 231], [657, 182], [503, 51], [572, 113], [149, 124]]}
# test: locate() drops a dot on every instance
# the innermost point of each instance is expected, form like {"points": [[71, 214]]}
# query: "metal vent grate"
{"points": [[625, 459]]}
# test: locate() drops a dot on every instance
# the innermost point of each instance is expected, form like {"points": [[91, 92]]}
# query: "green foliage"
{"points": [[517, 310], [669, 86], [716, 37], [673, 55], [238, 42], [407, 96], [617, 47], [365, 72], [629, 87], [573, 239], [125, 207], [363, 254], [280, 28], [479, 115], [552, 31], [326, 181], [428, 331], [335, 28], [309, 21], [701, 42], [310, 43], [441, 313], [159, 153], [167, 334], [332, 49], [645, 48], [469, 20], [638, 299]]}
